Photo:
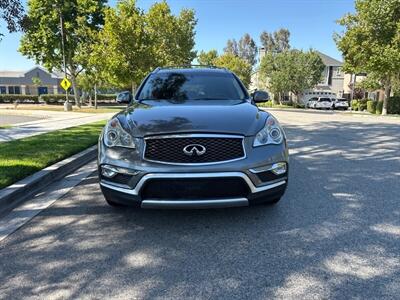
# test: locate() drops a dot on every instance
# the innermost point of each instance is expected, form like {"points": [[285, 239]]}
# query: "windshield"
{"points": [[324, 100], [192, 86]]}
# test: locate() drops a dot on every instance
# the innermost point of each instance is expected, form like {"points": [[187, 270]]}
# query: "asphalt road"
{"points": [[335, 234]]}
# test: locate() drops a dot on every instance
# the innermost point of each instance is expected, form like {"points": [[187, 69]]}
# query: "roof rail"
{"points": [[187, 66]]}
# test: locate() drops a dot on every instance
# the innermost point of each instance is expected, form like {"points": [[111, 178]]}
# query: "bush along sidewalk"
{"points": [[60, 98], [6, 98], [21, 158], [375, 107]]}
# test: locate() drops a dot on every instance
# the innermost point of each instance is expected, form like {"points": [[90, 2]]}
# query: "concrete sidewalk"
{"points": [[50, 121]]}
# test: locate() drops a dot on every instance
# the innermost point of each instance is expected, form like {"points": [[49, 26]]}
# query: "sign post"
{"points": [[66, 84]]}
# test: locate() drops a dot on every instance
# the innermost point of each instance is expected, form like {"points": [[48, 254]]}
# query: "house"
{"points": [[332, 80], [330, 86], [35, 81]]}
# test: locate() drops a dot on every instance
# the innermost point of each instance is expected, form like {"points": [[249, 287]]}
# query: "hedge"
{"points": [[54, 98], [7, 98], [354, 105], [362, 104], [394, 105], [371, 106]]}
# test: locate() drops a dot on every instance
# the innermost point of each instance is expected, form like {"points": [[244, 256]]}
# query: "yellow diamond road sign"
{"points": [[65, 84]]}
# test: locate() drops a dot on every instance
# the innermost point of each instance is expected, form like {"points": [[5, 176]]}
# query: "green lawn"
{"points": [[5, 126], [83, 109], [21, 158]]}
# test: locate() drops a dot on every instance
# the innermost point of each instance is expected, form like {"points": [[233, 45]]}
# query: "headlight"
{"points": [[272, 133], [116, 136]]}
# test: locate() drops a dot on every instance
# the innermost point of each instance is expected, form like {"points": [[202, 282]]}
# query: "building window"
{"points": [[338, 72], [14, 90], [3, 90]]}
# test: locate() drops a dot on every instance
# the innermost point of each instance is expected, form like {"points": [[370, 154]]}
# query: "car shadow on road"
{"points": [[335, 234]]}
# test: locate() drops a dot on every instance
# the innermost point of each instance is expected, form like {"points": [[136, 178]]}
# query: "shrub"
{"points": [[394, 105], [298, 105], [354, 105], [7, 98], [371, 106], [54, 98], [106, 97], [379, 106], [362, 104], [265, 104]]}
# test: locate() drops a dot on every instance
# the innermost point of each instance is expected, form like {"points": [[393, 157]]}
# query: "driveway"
{"points": [[335, 234]]}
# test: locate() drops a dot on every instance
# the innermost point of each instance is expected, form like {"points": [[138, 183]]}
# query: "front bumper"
{"points": [[125, 195], [133, 190]]}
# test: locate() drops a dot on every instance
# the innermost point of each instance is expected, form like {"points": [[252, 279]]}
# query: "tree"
{"points": [[276, 42], [207, 58], [371, 41], [247, 49], [12, 12], [42, 40], [235, 64], [231, 47], [133, 43], [171, 37], [292, 71]]}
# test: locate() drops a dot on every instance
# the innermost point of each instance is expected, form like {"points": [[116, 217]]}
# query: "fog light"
{"points": [[110, 171], [279, 168]]}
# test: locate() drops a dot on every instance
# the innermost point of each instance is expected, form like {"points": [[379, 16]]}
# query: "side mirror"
{"points": [[124, 98], [260, 96]]}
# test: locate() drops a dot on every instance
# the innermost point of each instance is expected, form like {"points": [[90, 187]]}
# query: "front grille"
{"points": [[195, 188], [170, 149]]}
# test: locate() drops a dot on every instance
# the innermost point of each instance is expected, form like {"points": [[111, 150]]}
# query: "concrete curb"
{"points": [[26, 188]]}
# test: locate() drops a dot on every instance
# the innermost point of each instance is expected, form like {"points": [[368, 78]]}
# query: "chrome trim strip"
{"points": [[267, 168], [146, 177], [187, 204], [183, 135], [190, 136]]}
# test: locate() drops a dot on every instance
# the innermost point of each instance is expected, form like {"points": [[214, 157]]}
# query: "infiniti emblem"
{"points": [[194, 149]]}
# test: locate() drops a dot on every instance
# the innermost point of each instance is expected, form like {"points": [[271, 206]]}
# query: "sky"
{"points": [[310, 22]]}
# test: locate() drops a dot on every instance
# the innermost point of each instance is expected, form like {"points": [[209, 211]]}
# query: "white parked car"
{"points": [[311, 102], [323, 103], [340, 103]]}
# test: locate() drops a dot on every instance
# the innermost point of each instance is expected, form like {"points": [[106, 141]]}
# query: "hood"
{"points": [[163, 117]]}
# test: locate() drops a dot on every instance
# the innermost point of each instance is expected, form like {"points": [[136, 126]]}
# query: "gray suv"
{"points": [[193, 138]]}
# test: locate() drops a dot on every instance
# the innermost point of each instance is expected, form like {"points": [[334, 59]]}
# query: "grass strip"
{"points": [[21, 158]]}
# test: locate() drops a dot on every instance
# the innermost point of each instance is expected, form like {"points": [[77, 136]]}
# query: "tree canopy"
{"points": [[246, 48], [293, 70], [276, 42], [207, 58], [371, 41], [12, 12], [42, 40], [134, 42], [235, 64]]}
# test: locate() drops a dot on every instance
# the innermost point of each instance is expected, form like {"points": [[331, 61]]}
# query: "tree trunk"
{"points": [[90, 99], [75, 88], [95, 96], [387, 95]]}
